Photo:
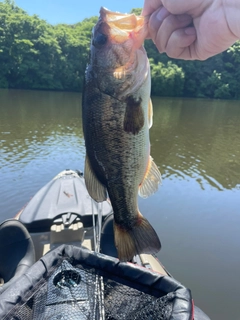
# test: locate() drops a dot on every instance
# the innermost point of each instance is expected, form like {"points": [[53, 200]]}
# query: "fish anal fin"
{"points": [[151, 180], [134, 116], [150, 114], [95, 188], [141, 238]]}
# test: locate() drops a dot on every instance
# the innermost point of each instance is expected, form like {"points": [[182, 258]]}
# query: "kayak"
{"points": [[61, 263]]}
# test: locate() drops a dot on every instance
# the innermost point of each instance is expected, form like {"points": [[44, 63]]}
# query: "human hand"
{"points": [[193, 30]]}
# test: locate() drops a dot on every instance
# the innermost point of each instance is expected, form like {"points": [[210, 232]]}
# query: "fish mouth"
{"points": [[122, 26]]}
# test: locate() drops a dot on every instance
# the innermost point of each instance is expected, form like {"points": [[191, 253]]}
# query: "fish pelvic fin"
{"points": [[141, 238], [95, 188], [151, 180]]}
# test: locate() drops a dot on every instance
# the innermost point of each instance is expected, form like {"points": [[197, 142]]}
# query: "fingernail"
{"points": [[162, 14], [190, 31]]}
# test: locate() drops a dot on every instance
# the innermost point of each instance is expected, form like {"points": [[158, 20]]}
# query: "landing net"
{"points": [[92, 286]]}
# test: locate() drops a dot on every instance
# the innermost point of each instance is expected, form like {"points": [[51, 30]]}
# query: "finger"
{"points": [[181, 44], [167, 27], [155, 23], [150, 6]]}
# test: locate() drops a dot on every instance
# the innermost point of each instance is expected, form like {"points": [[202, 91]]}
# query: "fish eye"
{"points": [[99, 40]]}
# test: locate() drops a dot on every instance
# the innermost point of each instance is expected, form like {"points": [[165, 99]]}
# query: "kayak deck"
{"points": [[61, 213]]}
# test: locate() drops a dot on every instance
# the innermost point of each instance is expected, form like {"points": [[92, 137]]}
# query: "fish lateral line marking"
{"points": [[134, 116]]}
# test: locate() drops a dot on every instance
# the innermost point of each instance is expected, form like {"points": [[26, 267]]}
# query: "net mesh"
{"points": [[74, 292]]}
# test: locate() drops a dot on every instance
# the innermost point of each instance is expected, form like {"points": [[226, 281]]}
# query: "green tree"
{"points": [[167, 79], [37, 55]]}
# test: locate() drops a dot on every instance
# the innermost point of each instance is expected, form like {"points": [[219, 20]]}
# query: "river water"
{"points": [[196, 211]]}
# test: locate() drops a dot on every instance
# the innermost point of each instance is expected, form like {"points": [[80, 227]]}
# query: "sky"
{"points": [[73, 11]]}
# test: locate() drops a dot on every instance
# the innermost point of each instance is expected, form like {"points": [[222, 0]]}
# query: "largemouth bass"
{"points": [[117, 115]]}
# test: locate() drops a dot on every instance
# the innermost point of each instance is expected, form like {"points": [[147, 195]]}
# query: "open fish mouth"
{"points": [[124, 26]]}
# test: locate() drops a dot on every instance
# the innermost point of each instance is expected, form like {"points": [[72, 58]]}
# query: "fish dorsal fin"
{"points": [[95, 188], [151, 180], [150, 114]]}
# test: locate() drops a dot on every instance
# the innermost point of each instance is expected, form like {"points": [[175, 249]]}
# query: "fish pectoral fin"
{"points": [[150, 114], [134, 115], [95, 188], [151, 180]]}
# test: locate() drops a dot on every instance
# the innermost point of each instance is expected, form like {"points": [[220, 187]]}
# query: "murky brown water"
{"points": [[196, 212]]}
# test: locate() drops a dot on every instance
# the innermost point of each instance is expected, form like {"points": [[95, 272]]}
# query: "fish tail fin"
{"points": [[141, 238]]}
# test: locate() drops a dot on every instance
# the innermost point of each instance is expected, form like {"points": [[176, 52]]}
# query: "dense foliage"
{"points": [[37, 55]]}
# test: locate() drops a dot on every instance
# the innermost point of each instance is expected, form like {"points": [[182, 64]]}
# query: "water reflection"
{"points": [[191, 139], [35, 125], [198, 139]]}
